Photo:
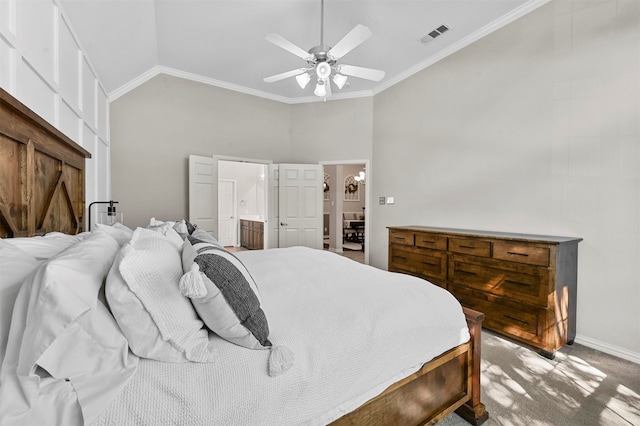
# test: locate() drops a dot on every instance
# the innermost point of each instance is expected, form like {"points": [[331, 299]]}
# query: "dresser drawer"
{"points": [[518, 320], [401, 237], [521, 282], [521, 253], [436, 242], [429, 264], [470, 246]]}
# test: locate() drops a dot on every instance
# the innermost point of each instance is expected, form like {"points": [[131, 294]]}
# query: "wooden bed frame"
{"points": [[42, 186]]}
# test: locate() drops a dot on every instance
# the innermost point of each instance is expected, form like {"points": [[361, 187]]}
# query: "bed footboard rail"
{"points": [[448, 383]]}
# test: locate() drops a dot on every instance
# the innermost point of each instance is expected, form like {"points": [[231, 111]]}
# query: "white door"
{"points": [[227, 222], [203, 185], [300, 205], [273, 224]]}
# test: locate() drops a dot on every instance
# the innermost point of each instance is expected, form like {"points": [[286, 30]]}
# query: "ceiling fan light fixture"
{"points": [[340, 80], [303, 79], [323, 70], [321, 90]]}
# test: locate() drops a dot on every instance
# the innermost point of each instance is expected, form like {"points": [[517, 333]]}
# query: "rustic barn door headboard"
{"points": [[42, 174]]}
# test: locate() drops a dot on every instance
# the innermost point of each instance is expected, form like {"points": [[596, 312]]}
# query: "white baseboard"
{"points": [[608, 348]]}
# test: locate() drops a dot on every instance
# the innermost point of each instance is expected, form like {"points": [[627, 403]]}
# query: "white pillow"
{"points": [[60, 325], [45, 246], [180, 226], [120, 232], [15, 265], [143, 293]]}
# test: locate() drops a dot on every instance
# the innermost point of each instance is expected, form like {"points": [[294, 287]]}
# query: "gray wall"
{"points": [[159, 124], [536, 129]]}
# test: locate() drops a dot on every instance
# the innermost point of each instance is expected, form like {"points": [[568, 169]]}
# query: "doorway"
{"points": [[242, 194], [346, 208], [300, 198]]}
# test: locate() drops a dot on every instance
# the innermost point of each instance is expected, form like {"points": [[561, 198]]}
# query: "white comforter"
{"points": [[353, 330]]}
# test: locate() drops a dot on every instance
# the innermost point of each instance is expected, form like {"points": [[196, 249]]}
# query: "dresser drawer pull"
{"points": [[468, 247], [400, 257], [399, 238], [428, 242], [430, 263], [517, 319], [518, 254], [518, 283]]}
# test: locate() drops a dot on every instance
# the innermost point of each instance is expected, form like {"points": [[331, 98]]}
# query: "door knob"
{"points": [[283, 224]]}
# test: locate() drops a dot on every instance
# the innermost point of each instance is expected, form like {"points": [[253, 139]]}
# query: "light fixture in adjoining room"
{"points": [[303, 79], [361, 178], [323, 60]]}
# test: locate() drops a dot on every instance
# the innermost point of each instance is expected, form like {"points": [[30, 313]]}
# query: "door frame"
{"points": [[234, 211], [216, 159], [367, 200]]}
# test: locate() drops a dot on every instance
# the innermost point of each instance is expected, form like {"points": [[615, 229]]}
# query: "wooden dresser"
{"points": [[524, 284]]}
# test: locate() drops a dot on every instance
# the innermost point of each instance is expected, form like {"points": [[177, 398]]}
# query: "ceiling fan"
{"points": [[323, 60]]}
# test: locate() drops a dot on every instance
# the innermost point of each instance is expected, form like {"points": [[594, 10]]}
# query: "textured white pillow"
{"points": [[45, 246], [15, 265], [120, 232], [144, 295]]}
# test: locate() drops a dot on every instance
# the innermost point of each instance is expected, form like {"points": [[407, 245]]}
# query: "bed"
{"points": [[377, 348]]}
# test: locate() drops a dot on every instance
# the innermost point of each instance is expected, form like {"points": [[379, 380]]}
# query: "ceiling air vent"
{"points": [[435, 33]]}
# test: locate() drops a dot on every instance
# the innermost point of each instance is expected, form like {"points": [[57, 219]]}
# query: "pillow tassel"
{"points": [[280, 360], [192, 284]]}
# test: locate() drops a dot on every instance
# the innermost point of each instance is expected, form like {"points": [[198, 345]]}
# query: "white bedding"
{"points": [[353, 329]]}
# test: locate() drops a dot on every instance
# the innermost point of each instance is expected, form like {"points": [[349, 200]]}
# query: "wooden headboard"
{"points": [[42, 174]]}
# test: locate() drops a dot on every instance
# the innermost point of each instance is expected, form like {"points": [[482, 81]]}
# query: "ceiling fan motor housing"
{"points": [[320, 55]]}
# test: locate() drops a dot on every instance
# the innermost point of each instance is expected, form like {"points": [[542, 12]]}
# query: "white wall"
{"points": [[42, 64], [533, 129], [250, 185]]}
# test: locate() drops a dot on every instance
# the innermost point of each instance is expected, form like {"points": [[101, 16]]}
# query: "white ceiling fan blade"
{"points": [[361, 72], [287, 45], [284, 75], [353, 39]]}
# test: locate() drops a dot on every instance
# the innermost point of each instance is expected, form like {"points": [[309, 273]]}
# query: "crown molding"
{"points": [[482, 32]]}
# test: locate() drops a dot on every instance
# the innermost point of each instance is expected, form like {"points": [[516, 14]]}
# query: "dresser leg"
{"points": [[570, 342], [547, 354]]}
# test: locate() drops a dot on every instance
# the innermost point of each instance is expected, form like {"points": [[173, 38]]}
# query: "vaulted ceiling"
{"points": [[222, 42]]}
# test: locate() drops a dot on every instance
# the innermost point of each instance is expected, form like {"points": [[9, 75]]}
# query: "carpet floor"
{"points": [[581, 386]]}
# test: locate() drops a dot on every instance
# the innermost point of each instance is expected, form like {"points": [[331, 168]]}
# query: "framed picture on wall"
{"points": [[351, 189], [326, 187]]}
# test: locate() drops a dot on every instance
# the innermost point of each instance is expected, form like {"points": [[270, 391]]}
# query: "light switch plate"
{"points": [[391, 200], [382, 201]]}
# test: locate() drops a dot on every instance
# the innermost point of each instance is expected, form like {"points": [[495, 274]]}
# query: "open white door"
{"points": [[203, 193], [227, 218], [273, 222], [300, 205]]}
